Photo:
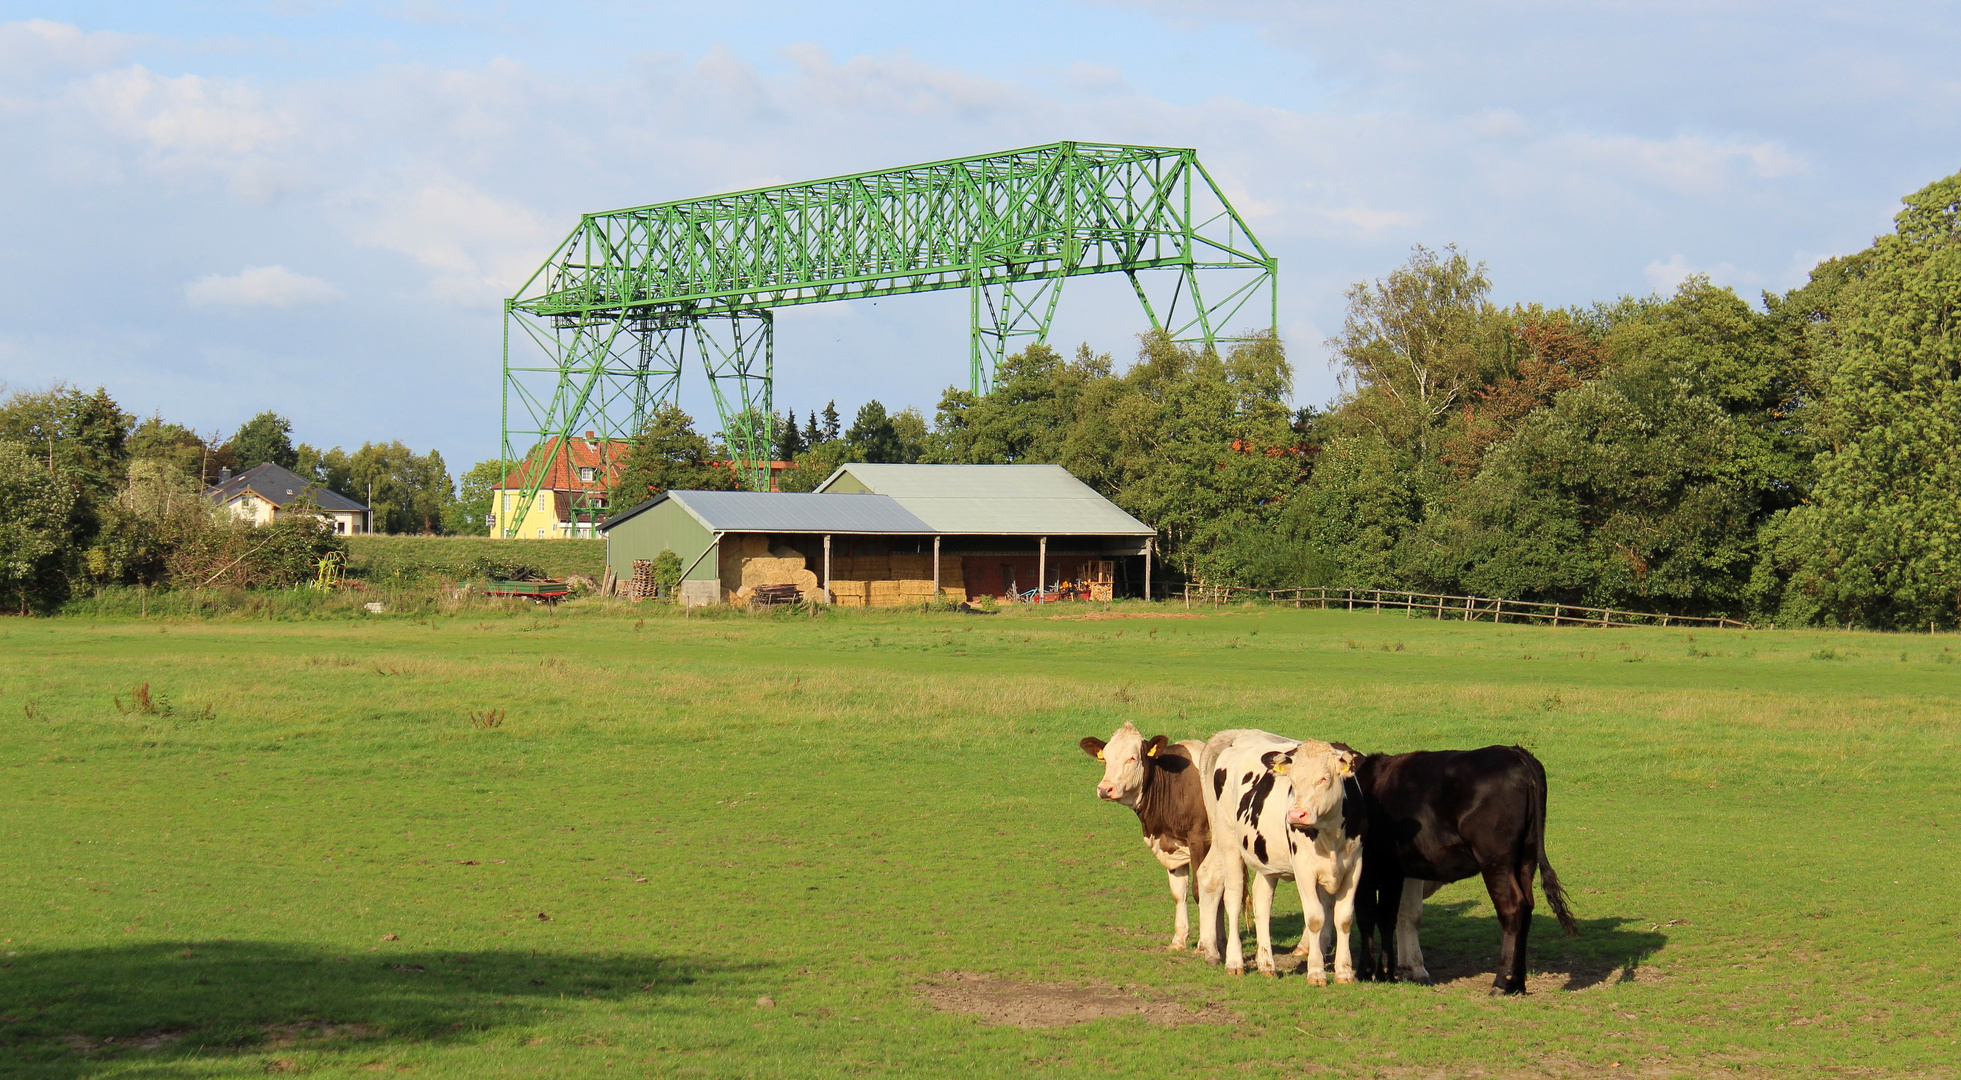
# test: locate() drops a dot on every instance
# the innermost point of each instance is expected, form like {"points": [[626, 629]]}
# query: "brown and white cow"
{"points": [[1159, 780], [1279, 809]]}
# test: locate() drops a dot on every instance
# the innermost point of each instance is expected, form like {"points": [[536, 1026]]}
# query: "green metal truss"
{"points": [[616, 309]]}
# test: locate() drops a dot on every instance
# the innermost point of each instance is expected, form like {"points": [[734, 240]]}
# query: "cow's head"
{"points": [[1125, 758], [1316, 776]]}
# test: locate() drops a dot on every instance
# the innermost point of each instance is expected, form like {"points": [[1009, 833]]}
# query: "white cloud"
{"points": [[480, 247], [37, 48], [259, 286], [1665, 277], [1369, 220]]}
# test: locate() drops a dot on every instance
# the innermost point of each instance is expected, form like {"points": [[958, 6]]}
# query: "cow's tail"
{"points": [[1548, 881]]}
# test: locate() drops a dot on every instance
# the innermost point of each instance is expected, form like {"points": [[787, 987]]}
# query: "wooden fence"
{"points": [[1466, 608]]}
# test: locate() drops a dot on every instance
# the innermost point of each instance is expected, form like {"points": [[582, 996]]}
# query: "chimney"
{"points": [[224, 476]]}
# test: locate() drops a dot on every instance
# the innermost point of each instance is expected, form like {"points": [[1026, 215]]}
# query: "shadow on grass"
{"points": [[68, 1011], [1459, 945]]}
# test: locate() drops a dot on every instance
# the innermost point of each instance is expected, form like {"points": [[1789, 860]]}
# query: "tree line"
{"points": [[91, 496], [1796, 463]]}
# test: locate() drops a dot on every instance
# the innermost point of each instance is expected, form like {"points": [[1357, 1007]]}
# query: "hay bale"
{"points": [[787, 554], [768, 570], [912, 566], [956, 595], [855, 590], [805, 580], [883, 593], [753, 544], [851, 601], [920, 587]]}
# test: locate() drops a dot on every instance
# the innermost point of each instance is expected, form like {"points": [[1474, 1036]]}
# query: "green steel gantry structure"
{"points": [[618, 308]]}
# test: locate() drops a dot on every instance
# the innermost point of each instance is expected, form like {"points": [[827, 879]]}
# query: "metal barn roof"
{"points": [[788, 512], [995, 500]]}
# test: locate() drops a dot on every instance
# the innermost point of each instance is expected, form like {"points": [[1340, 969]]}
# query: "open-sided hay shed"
{"points": [[891, 535]]}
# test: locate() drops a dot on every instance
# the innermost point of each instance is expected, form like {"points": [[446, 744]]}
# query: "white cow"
{"points": [[1276, 809]]}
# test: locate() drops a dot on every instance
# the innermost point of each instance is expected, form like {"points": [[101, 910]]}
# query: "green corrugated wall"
{"points": [[665, 526]]}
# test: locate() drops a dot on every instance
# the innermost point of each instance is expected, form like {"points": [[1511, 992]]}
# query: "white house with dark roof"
{"points": [[260, 494]]}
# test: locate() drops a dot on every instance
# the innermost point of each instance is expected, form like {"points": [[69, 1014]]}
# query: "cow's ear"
{"points": [[1276, 762], [1092, 746], [1156, 746]]}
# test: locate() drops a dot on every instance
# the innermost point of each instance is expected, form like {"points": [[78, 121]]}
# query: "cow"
{"points": [[1439, 816], [1159, 779], [1279, 808]]}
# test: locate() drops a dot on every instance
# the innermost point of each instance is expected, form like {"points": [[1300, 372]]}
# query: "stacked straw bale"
{"points": [[747, 562]]}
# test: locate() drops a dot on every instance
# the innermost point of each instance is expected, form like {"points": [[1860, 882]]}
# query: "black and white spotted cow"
{"points": [[1278, 808]]}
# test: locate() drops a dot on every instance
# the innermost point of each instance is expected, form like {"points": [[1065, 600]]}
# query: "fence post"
{"points": [[1467, 609]]}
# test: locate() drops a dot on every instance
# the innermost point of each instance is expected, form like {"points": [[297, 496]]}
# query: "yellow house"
{"points": [[572, 493]]}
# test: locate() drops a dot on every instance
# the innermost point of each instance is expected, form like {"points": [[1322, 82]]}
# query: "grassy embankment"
{"points": [[311, 859], [407, 575]]}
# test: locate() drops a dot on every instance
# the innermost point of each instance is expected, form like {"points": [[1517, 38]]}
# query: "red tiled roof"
{"points": [[607, 456]]}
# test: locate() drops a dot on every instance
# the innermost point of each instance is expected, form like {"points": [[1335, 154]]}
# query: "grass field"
{"points": [[304, 855]]}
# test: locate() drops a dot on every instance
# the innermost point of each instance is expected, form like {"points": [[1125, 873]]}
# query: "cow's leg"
{"points": [[1365, 920], [1211, 917], [1181, 926], [1390, 889], [1263, 883], [1344, 921], [1409, 925], [1314, 917], [1230, 864], [1305, 887], [1514, 922]]}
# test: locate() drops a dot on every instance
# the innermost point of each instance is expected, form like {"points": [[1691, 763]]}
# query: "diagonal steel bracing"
{"points": [[607, 322]]}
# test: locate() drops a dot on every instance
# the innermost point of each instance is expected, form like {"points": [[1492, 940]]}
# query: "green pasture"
{"points": [[584, 843]]}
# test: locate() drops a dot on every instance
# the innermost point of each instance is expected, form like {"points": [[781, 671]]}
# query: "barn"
{"points": [[884, 535]]}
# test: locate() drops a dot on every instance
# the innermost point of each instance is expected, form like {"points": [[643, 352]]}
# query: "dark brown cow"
{"points": [[1444, 815], [1159, 780]]}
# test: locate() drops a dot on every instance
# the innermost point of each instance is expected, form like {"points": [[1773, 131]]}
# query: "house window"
{"points": [[340, 526], [587, 474]]}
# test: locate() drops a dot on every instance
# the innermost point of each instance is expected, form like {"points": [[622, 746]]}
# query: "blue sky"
{"points": [[218, 208]]}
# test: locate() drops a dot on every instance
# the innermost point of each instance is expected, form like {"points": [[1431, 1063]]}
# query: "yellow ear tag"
{"points": [[1280, 769], [1152, 752], [1099, 755]]}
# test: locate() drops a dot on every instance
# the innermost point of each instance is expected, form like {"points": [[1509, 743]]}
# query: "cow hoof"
{"points": [[1235, 970], [1300, 951], [1317, 980], [1174, 947], [1344, 978]]}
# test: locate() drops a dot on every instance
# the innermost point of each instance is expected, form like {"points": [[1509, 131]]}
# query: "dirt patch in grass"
{"points": [[1036, 1005], [280, 1036], [83, 1044]]}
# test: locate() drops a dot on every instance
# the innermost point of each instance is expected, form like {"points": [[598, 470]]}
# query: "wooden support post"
{"points": [[1148, 545], [1042, 570], [827, 568], [936, 568], [1467, 609]]}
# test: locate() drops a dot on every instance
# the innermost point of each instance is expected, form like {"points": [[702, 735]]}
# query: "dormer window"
{"points": [[587, 474]]}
